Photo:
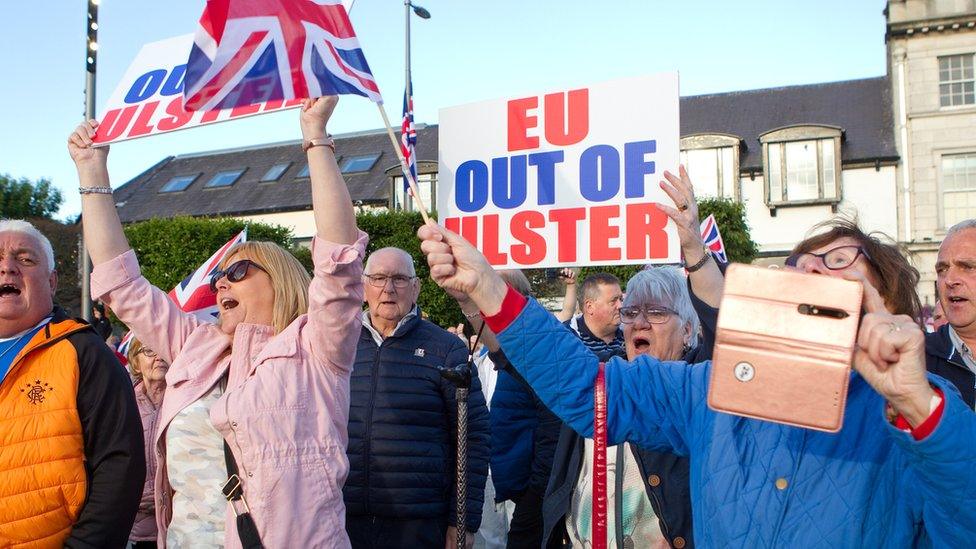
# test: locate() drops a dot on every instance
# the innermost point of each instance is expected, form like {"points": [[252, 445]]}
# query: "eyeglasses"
{"points": [[655, 314], [146, 351], [834, 259], [379, 281], [235, 273]]}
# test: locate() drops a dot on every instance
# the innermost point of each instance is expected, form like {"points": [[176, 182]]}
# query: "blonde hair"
{"points": [[289, 279], [132, 355]]}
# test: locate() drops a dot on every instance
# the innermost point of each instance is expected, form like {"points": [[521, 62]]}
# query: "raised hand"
{"points": [[873, 302], [685, 214], [459, 268], [315, 115], [81, 146], [890, 355]]}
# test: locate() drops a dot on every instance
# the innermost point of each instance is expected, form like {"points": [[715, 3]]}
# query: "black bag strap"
{"points": [[233, 490]]}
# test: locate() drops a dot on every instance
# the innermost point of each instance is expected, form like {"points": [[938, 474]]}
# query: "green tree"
{"points": [[23, 198]]}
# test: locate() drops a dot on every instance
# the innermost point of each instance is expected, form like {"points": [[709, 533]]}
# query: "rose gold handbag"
{"points": [[784, 345]]}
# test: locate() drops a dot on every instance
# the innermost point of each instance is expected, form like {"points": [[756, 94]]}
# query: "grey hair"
{"points": [[664, 286], [517, 279], [961, 226], [25, 227], [405, 255]]}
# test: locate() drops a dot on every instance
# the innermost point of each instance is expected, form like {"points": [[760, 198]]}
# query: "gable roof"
{"points": [[862, 108], [140, 199]]}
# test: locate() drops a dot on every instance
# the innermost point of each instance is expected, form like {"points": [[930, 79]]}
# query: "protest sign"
{"points": [[149, 98], [564, 178]]}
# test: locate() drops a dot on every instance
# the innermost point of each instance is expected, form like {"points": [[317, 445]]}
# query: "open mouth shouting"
{"points": [[8, 290]]}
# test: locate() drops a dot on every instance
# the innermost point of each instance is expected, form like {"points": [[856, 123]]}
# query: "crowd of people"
{"points": [[304, 419]]}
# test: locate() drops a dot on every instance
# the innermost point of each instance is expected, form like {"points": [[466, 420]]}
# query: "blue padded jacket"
{"points": [[762, 484], [402, 428]]}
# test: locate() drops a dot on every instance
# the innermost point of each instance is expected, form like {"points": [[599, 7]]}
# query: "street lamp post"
{"points": [[423, 14], [91, 59]]}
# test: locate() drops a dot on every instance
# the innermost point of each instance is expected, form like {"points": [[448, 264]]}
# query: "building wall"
{"points": [[926, 131], [868, 194], [301, 223]]}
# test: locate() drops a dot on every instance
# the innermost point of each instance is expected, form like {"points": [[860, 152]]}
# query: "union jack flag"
{"points": [[408, 138], [123, 348], [251, 51], [193, 294], [713, 238]]}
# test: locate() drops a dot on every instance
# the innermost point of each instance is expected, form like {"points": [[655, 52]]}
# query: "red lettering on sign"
{"points": [[178, 116], [566, 221], [601, 231], [143, 124], [519, 123], [114, 124], [533, 247], [645, 229], [557, 131], [490, 241]]}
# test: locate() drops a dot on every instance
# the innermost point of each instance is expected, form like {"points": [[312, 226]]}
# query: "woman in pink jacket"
{"points": [[149, 371], [270, 380]]}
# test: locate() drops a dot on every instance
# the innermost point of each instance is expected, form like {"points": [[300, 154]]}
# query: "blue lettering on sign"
{"points": [[174, 84], [145, 86], [599, 173], [508, 192], [471, 186], [545, 163], [636, 168]]}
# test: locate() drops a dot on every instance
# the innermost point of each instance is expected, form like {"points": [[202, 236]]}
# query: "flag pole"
{"points": [[91, 58], [403, 164]]}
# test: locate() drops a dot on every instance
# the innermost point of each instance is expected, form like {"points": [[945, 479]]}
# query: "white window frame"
{"points": [[824, 136], [939, 156], [424, 169], [971, 79], [718, 141]]}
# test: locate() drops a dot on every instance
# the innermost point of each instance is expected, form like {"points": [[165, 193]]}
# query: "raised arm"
{"points": [[568, 277], [707, 281], [335, 220], [104, 238], [116, 278], [649, 405], [336, 292]]}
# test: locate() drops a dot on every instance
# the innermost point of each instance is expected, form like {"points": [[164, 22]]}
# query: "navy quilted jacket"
{"points": [[942, 359], [762, 484], [402, 428]]}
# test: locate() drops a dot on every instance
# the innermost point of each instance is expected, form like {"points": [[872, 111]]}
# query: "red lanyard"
{"points": [[599, 538]]}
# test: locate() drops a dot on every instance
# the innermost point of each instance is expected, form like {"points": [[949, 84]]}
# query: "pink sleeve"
{"points": [[335, 302], [145, 309]]}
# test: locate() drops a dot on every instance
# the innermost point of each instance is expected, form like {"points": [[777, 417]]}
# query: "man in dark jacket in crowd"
{"points": [[403, 419], [599, 324], [72, 464], [949, 350]]}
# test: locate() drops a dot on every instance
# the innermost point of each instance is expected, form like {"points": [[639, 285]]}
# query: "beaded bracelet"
{"points": [[94, 190]]}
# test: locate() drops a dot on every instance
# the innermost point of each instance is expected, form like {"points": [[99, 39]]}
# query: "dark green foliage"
{"points": [[170, 249], [64, 241], [731, 219], [23, 198]]}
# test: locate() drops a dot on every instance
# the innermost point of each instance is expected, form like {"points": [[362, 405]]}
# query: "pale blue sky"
{"points": [[468, 51]]}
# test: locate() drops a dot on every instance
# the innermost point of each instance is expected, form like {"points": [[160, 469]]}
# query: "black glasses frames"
{"points": [[234, 273]]}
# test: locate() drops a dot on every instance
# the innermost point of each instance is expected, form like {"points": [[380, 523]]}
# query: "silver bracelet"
{"points": [[475, 314], [94, 190]]}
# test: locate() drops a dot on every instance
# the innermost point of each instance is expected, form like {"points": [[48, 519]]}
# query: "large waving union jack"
{"points": [[251, 51]]}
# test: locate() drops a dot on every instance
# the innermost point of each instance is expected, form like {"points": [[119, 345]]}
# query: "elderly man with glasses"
{"points": [[403, 419]]}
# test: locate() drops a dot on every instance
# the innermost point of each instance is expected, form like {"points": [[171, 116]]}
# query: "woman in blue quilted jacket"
{"points": [[895, 475]]}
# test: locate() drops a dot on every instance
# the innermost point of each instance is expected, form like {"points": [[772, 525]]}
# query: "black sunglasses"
{"points": [[235, 273]]}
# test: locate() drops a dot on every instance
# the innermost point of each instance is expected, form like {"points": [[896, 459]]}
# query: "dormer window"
{"points": [[712, 161], [801, 165]]}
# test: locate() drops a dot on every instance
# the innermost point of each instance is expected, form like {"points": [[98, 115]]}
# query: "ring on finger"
{"points": [[683, 206], [893, 327]]}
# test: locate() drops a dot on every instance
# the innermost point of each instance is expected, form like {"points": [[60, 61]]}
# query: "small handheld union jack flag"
{"points": [[251, 51], [408, 138], [713, 238]]}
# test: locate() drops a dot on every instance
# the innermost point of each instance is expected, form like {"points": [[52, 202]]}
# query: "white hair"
{"points": [[21, 226], [405, 257]]}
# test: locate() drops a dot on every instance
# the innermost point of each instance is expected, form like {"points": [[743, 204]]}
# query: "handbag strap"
{"points": [[599, 530], [233, 489]]}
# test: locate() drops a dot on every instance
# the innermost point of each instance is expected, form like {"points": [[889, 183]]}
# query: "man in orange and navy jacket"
{"points": [[71, 449]]}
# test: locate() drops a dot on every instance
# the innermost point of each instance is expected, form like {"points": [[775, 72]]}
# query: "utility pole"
{"points": [[91, 58]]}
